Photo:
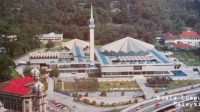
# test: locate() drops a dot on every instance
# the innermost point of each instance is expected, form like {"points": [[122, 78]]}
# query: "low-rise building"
{"points": [[24, 95], [125, 57], [9, 37], [178, 46], [190, 38], [44, 38]]}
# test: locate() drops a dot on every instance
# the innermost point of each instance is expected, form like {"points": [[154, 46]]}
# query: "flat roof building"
{"points": [[9, 37], [44, 38]]}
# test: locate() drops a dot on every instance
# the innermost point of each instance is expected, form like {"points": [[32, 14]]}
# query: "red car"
{"points": [[54, 101], [54, 110], [157, 105]]}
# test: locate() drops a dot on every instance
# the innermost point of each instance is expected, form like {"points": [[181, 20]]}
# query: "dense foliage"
{"points": [[49, 44], [158, 81], [20, 47], [6, 66], [54, 73], [27, 71], [137, 18]]}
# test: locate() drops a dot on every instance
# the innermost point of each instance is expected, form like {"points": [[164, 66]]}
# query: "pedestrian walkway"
{"points": [[148, 91], [50, 86]]}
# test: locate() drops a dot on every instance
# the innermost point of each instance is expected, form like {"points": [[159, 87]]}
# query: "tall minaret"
{"points": [[91, 26]]}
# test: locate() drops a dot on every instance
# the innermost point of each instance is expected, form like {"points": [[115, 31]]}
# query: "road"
{"points": [[149, 104], [164, 104]]}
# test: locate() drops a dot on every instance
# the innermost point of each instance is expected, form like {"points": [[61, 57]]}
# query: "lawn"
{"points": [[128, 85], [182, 83], [58, 85], [69, 86], [188, 58], [177, 84]]}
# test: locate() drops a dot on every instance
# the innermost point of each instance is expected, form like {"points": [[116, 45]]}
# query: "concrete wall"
{"points": [[131, 68], [39, 61]]}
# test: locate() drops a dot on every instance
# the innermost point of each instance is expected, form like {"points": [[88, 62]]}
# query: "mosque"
{"points": [[121, 58]]}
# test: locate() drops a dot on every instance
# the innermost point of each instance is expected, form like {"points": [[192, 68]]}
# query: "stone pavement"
{"points": [[148, 91]]}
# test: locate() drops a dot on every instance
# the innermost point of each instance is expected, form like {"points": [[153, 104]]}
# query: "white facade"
{"points": [[190, 41], [43, 58], [44, 38], [91, 26], [10, 37], [189, 37], [146, 70]]}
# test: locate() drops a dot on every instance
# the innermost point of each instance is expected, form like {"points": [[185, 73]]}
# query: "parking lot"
{"points": [[55, 106]]}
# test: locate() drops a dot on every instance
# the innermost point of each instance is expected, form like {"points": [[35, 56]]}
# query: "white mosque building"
{"points": [[124, 57]]}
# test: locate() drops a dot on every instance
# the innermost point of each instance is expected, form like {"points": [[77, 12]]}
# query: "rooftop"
{"points": [[169, 35], [76, 42], [18, 86], [130, 51], [189, 34], [127, 45], [52, 34]]}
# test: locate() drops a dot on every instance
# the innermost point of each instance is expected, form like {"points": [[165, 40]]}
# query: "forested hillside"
{"points": [[114, 18]]}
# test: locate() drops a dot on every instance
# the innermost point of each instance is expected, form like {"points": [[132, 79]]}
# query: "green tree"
{"points": [[27, 71], [4, 25], [54, 73], [49, 45], [197, 27], [6, 66], [14, 49], [137, 18], [103, 94], [136, 101], [43, 71]]}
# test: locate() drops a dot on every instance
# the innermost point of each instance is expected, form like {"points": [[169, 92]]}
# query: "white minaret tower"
{"points": [[91, 26]]}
